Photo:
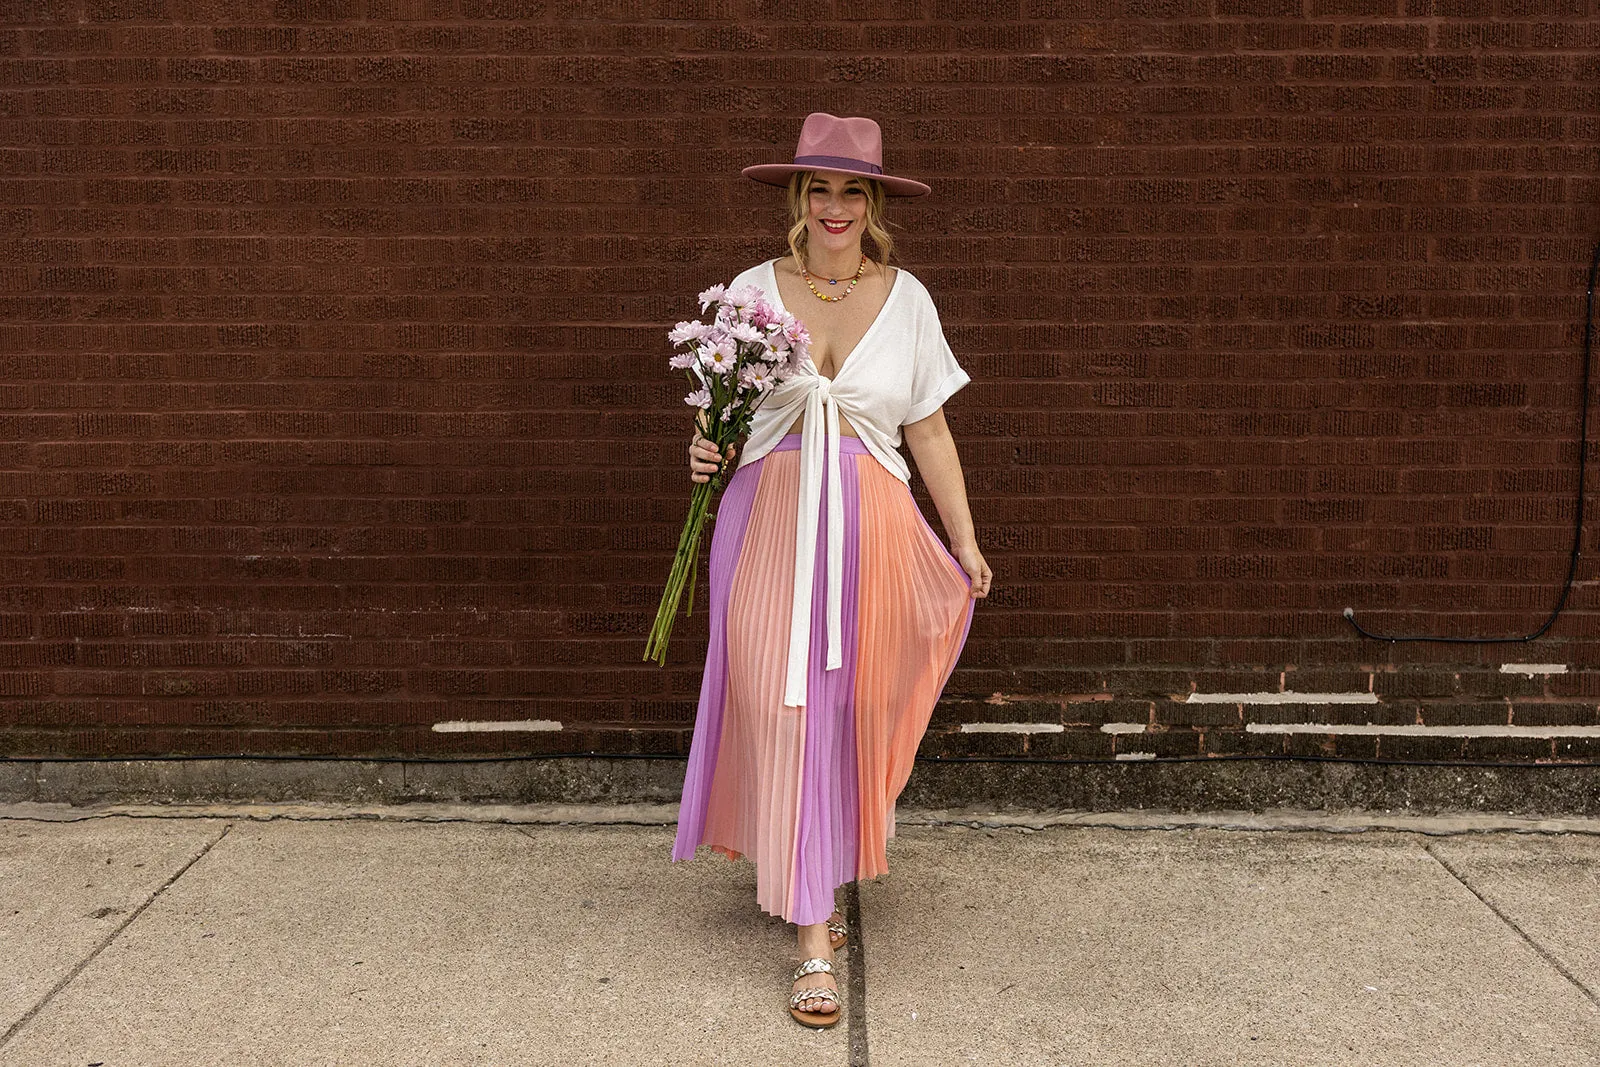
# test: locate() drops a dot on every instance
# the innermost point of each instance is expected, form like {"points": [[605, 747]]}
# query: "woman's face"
{"points": [[837, 211]]}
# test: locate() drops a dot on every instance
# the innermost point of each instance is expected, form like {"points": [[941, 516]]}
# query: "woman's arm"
{"points": [[935, 452]]}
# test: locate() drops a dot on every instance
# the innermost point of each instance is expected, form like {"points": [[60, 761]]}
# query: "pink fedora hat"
{"points": [[827, 142]]}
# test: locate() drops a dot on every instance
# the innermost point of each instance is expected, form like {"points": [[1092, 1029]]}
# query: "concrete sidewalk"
{"points": [[445, 935]]}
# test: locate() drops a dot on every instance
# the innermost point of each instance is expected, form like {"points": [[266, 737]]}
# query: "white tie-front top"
{"points": [[902, 370]]}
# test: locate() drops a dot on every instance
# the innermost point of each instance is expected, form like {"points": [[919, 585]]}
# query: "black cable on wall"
{"points": [[1577, 518]]}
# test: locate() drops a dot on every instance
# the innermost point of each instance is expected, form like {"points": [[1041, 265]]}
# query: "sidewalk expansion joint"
{"points": [[1351, 820], [856, 974], [78, 969], [1549, 956]]}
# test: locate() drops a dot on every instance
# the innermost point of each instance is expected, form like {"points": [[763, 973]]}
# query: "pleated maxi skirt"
{"points": [[808, 793]]}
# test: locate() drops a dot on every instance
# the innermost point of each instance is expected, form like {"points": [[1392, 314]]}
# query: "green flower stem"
{"points": [[685, 567]]}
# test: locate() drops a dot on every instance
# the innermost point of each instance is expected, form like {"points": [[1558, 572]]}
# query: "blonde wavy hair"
{"points": [[876, 224]]}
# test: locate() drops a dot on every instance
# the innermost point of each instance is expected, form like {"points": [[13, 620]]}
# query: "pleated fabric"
{"points": [[808, 793]]}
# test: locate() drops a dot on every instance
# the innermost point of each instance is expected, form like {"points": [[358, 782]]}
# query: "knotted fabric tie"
{"points": [[822, 425]]}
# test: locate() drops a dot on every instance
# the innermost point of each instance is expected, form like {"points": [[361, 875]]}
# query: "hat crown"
{"points": [[847, 145], [846, 139]]}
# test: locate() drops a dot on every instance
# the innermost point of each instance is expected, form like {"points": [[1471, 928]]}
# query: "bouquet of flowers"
{"points": [[732, 363]]}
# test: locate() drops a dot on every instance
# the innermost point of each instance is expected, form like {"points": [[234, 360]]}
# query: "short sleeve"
{"points": [[937, 375]]}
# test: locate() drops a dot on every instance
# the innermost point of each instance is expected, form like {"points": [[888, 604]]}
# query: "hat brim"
{"points": [[778, 174]]}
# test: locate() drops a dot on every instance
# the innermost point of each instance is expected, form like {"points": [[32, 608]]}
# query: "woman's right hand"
{"points": [[703, 458]]}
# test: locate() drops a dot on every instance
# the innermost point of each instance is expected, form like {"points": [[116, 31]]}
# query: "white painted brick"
{"points": [[1531, 669], [1416, 729], [1287, 697], [1011, 728]]}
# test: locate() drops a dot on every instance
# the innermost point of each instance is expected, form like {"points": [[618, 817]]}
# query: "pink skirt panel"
{"points": [[808, 794]]}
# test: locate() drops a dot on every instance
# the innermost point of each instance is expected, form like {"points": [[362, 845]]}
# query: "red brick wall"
{"points": [[335, 401]]}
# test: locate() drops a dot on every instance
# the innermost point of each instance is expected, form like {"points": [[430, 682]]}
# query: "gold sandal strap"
{"points": [[812, 966], [820, 993]]}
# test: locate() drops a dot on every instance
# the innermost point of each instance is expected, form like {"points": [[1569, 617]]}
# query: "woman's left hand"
{"points": [[971, 561]]}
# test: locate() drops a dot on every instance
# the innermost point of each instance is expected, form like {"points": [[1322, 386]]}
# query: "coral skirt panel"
{"points": [[808, 793]]}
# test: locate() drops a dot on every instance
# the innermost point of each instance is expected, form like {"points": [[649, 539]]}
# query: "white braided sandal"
{"points": [[800, 996]]}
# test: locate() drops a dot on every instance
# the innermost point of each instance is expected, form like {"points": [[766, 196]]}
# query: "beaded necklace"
{"points": [[835, 281]]}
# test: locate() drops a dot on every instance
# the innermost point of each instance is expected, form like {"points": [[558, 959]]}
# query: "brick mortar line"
{"points": [[78, 969], [1549, 956]]}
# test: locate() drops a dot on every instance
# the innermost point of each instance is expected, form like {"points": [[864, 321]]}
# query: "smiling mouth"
{"points": [[835, 227]]}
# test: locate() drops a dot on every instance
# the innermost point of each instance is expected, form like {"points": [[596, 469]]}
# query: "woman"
{"points": [[836, 613]]}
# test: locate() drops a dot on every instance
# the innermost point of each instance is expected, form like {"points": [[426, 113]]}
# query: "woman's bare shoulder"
{"points": [[754, 274]]}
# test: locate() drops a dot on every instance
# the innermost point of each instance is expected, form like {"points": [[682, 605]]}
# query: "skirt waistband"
{"points": [[847, 444]]}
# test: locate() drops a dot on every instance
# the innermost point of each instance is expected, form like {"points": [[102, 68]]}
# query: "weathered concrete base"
{"points": [[1211, 785], [1255, 785], [347, 780]]}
